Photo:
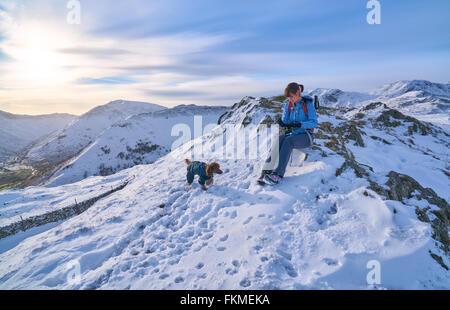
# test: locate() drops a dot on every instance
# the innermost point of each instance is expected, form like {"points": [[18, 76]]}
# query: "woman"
{"points": [[299, 120]]}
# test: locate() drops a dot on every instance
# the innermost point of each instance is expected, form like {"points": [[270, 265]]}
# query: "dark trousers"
{"points": [[285, 146]]}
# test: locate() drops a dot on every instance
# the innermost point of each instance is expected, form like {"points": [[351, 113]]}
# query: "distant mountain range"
{"points": [[18, 132], [62, 148], [422, 99]]}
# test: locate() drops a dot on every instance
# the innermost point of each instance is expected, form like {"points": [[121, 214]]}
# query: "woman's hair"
{"points": [[293, 88]]}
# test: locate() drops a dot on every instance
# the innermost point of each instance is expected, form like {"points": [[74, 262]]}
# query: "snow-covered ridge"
{"points": [[401, 87], [339, 98], [425, 100], [373, 187], [123, 108], [17, 132], [70, 141]]}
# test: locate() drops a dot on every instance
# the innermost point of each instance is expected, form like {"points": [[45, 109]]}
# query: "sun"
{"points": [[35, 50]]}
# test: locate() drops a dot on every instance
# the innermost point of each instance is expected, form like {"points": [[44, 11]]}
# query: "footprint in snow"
{"points": [[245, 283], [221, 249], [199, 266], [179, 279], [224, 238], [163, 276], [330, 261], [333, 210], [248, 220], [287, 217], [285, 254]]}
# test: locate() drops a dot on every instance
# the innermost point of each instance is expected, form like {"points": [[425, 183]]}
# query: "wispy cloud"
{"points": [[208, 52], [107, 80], [89, 51]]}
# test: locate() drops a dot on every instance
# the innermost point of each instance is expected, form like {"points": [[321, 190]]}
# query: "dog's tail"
{"points": [[187, 161]]}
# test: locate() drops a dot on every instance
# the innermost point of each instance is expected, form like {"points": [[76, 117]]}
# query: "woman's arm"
{"points": [[285, 118], [312, 118]]}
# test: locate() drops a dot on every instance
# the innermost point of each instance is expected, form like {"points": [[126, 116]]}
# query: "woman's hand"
{"points": [[281, 124]]}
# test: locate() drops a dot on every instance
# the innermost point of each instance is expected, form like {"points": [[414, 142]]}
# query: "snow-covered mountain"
{"points": [[373, 188], [139, 139], [17, 132], [422, 99], [338, 98], [73, 139]]}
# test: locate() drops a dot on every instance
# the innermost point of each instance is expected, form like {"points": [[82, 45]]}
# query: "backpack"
{"points": [[305, 107]]}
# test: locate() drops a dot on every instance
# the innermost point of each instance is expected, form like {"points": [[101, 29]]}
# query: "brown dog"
{"points": [[204, 171]]}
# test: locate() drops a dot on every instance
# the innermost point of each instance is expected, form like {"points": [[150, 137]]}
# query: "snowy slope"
{"points": [[68, 142], [331, 215], [19, 131], [140, 139]]}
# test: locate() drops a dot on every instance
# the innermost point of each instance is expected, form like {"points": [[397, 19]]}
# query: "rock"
{"points": [[402, 187]]}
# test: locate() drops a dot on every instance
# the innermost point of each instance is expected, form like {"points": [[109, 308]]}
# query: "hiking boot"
{"points": [[272, 178], [264, 173]]}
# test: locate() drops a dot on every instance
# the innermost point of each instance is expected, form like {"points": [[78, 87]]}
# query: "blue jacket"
{"points": [[197, 168], [297, 115]]}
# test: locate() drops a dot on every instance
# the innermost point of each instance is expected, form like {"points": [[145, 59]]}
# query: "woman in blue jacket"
{"points": [[299, 120]]}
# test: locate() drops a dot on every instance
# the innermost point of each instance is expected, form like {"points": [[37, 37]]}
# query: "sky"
{"points": [[210, 52]]}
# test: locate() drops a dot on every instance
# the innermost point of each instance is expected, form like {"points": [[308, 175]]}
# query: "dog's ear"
{"points": [[187, 161]]}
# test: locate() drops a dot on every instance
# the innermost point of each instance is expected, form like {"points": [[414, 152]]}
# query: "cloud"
{"points": [[177, 93], [115, 80], [89, 51], [208, 52]]}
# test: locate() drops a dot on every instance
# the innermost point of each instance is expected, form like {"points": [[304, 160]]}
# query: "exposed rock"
{"points": [[384, 120], [401, 186], [359, 171], [439, 260], [372, 106], [381, 139]]}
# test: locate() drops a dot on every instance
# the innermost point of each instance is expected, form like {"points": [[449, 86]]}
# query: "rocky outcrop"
{"points": [[400, 187]]}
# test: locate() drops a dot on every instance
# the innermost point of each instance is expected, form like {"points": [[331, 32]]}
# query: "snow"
{"points": [[235, 235], [35, 201], [314, 231]]}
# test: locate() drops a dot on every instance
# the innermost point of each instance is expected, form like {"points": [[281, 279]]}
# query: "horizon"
{"points": [[206, 53], [226, 105]]}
